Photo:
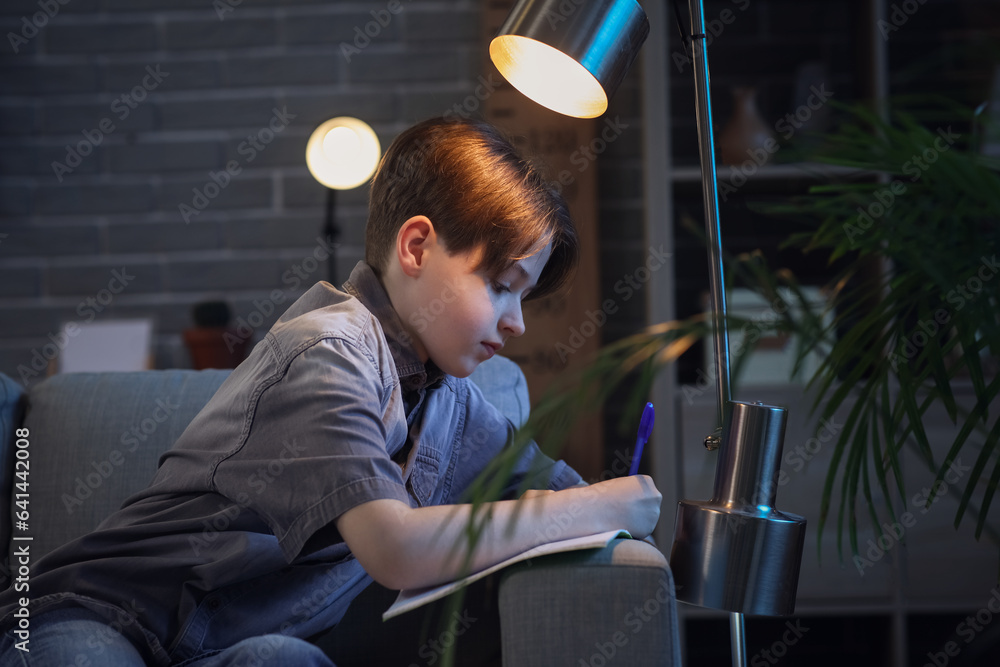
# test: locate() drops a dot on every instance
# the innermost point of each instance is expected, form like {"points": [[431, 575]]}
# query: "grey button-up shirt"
{"points": [[235, 536]]}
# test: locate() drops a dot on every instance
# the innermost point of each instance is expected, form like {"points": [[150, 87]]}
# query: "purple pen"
{"points": [[645, 430]]}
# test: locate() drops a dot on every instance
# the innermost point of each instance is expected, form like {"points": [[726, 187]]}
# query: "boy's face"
{"points": [[461, 317]]}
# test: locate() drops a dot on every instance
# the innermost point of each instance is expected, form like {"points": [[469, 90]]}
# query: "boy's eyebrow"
{"points": [[523, 271], [525, 276]]}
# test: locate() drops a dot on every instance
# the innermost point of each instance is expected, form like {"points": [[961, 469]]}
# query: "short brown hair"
{"points": [[478, 191]]}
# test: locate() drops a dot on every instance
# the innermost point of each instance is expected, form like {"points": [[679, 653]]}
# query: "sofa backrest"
{"points": [[96, 438]]}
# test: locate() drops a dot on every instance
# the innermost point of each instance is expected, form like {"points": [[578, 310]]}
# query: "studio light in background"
{"points": [[735, 552], [569, 56], [342, 153]]}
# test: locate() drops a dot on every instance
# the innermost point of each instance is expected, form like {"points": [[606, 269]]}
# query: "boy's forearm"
{"points": [[404, 547]]}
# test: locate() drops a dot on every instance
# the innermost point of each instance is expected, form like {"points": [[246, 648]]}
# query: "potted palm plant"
{"points": [[912, 323]]}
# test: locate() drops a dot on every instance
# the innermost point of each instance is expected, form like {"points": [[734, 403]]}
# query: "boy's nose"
{"points": [[513, 321]]}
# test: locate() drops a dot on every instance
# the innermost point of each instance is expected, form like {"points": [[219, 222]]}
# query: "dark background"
{"points": [[230, 66]]}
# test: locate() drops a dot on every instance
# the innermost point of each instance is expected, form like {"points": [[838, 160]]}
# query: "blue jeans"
{"points": [[77, 636]]}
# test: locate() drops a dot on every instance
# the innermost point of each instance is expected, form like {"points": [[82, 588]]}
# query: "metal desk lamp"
{"points": [[735, 552], [342, 154]]}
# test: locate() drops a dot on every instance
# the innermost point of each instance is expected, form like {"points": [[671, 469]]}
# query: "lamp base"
{"points": [[737, 558]]}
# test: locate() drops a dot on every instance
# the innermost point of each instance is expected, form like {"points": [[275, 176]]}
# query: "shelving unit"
{"points": [[903, 608]]}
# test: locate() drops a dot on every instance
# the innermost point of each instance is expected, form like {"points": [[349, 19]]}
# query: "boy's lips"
{"points": [[492, 348]]}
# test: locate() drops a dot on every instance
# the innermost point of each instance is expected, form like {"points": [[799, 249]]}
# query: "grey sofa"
{"points": [[94, 438]]}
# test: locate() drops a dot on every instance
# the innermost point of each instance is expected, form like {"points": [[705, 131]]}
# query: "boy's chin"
{"points": [[459, 369], [463, 372]]}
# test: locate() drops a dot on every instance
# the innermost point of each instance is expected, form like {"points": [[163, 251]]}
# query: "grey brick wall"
{"points": [[141, 101]]}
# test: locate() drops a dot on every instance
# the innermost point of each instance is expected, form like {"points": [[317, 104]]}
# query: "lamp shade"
{"points": [[342, 153], [569, 55], [737, 551]]}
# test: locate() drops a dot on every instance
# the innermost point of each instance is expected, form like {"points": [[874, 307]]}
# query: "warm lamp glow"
{"points": [[569, 56], [342, 143], [548, 76], [342, 153]]}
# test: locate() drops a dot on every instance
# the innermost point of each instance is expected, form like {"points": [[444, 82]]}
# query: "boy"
{"points": [[361, 395]]}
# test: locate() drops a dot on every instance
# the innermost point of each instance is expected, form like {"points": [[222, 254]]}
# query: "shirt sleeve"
{"points": [[486, 434], [318, 444]]}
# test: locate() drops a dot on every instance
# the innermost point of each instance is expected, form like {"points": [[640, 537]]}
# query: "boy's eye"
{"points": [[500, 288]]}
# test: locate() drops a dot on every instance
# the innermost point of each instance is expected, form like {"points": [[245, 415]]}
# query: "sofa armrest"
{"points": [[610, 606]]}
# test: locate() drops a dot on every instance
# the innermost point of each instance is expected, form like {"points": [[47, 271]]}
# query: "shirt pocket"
{"points": [[424, 479]]}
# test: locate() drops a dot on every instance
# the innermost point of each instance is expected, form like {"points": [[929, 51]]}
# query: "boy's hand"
{"points": [[634, 501]]}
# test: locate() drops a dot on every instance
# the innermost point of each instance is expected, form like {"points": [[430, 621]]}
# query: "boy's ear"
{"points": [[415, 237]]}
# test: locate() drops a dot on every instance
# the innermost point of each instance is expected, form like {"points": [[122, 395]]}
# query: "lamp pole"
{"points": [[716, 279], [330, 233], [710, 193]]}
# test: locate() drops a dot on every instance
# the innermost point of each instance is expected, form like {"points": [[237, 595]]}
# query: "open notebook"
{"points": [[411, 599]]}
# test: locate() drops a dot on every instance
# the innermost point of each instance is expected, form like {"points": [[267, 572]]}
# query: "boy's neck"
{"points": [[395, 284]]}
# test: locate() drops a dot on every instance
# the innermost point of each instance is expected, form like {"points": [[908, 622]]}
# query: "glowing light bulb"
{"points": [[343, 153], [342, 143]]}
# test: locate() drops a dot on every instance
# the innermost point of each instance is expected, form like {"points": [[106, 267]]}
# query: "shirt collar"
{"points": [[364, 285]]}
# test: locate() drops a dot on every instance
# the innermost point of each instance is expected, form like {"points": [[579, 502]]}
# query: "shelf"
{"points": [[813, 171]]}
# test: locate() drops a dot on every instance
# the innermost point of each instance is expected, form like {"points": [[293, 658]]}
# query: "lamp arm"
{"points": [[710, 192]]}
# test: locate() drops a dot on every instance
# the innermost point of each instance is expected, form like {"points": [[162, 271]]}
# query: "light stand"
{"points": [[331, 233], [735, 552]]}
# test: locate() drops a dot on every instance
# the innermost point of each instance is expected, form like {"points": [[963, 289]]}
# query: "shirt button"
{"points": [[214, 604]]}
